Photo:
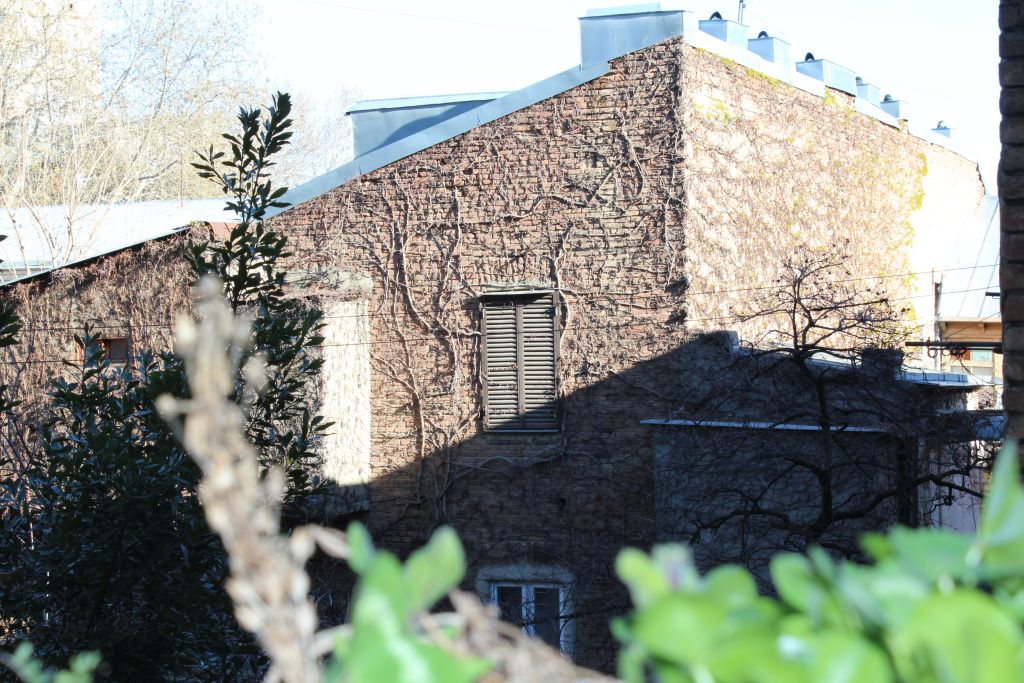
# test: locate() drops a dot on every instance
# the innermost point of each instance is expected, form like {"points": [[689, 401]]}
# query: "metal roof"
{"points": [[426, 101], [976, 253], [636, 37], [97, 229]]}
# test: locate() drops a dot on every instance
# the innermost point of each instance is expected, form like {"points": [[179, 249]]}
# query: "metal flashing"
{"points": [[829, 73], [875, 112], [725, 30], [895, 108], [645, 8], [612, 34], [746, 424], [440, 132], [424, 101], [605, 34], [774, 50]]}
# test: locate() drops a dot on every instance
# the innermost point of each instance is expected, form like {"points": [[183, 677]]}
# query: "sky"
{"points": [[941, 56]]}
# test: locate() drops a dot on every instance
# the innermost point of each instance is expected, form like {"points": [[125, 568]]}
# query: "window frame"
{"points": [[105, 344], [489, 577], [525, 586], [516, 295]]}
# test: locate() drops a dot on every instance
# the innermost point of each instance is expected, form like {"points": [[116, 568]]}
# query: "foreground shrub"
{"points": [[935, 607]]}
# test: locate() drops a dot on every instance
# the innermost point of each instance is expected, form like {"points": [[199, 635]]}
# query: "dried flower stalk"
{"points": [[268, 583]]}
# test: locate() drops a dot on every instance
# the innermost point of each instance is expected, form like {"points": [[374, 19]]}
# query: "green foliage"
{"points": [[935, 607], [121, 559], [386, 643], [249, 263], [31, 670], [109, 549], [10, 325]]}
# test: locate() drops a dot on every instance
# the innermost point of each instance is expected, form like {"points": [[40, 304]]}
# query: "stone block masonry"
{"points": [[1011, 199]]}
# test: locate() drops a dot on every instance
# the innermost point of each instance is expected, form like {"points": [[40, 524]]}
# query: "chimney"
{"points": [[829, 73], [868, 92], [723, 29], [894, 108], [612, 32], [770, 49], [376, 123]]}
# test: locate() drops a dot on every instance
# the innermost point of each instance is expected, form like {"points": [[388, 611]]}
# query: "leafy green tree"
{"points": [[282, 426], [111, 551], [121, 559]]}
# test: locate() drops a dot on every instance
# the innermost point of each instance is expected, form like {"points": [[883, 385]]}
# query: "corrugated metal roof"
{"points": [[92, 230]]}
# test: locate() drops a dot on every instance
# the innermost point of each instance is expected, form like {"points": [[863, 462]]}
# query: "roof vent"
{"points": [[829, 73], [868, 92], [893, 107], [612, 32], [771, 49], [942, 129], [376, 123], [724, 29]]}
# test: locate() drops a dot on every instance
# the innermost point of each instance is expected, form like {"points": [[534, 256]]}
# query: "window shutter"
{"points": [[519, 343], [539, 410], [501, 364]]}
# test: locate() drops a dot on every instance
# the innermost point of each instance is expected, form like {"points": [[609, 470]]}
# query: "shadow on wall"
{"points": [[722, 448]]}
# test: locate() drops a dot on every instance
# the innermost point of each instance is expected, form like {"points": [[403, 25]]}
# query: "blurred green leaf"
{"points": [[434, 569], [360, 548]]}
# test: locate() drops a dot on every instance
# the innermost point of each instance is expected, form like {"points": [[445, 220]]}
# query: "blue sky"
{"points": [[939, 55]]}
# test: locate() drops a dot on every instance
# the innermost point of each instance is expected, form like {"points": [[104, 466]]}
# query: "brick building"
{"points": [[508, 278]]}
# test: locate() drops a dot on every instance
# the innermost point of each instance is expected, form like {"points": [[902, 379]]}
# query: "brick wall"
{"points": [[676, 172], [1011, 196]]}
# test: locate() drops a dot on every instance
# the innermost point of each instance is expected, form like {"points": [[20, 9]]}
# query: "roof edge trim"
{"points": [[450, 128]]}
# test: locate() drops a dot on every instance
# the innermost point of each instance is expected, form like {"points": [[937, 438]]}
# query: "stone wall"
{"points": [[772, 167], [134, 294], [1011, 198]]}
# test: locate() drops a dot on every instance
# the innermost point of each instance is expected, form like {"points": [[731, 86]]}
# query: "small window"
{"points": [[520, 361], [538, 608], [116, 350]]}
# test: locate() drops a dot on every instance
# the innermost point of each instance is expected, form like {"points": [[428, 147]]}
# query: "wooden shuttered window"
{"points": [[520, 363]]}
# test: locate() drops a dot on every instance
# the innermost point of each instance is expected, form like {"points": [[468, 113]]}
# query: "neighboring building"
{"points": [[510, 290], [968, 323]]}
